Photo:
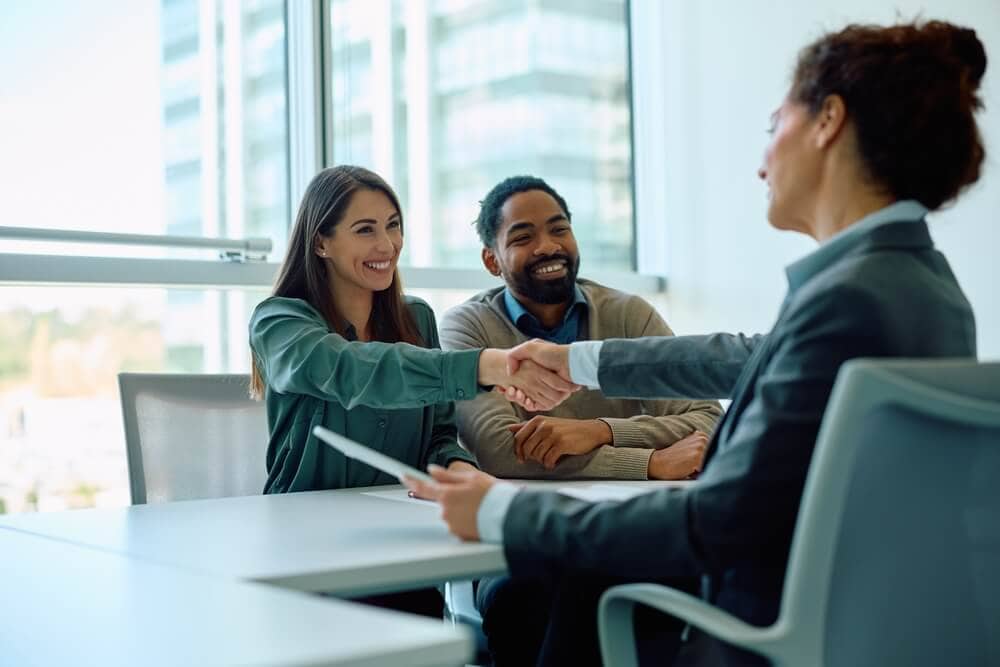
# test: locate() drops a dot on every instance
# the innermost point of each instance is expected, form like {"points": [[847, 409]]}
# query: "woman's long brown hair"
{"points": [[303, 275]]}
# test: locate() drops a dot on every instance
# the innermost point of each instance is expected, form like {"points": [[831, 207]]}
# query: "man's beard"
{"points": [[548, 291]]}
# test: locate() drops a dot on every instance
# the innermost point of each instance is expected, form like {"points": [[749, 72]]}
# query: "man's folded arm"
{"points": [[667, 422]]}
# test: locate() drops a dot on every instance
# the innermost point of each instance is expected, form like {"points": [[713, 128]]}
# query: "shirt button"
{"points": [[461, 393]]}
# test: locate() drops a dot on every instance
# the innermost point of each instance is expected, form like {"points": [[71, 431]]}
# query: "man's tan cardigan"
{"points": [[638, 426]]}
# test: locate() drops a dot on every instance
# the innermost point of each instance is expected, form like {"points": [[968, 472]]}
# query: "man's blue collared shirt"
{"points": [[566, 332]]}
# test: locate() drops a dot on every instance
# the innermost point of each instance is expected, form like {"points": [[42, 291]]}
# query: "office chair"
{"points": [[895, 552], [192, 436], [460, 610]]}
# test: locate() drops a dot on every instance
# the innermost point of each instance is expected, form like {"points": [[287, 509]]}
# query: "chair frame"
{"points": [[797, 636], [168, 384]]}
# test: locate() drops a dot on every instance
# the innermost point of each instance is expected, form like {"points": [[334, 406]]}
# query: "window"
{"points": [[161, 117], [61, 349], [204, 119], [446, 98]]}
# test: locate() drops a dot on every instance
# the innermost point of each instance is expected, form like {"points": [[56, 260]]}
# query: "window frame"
{"points": [[309, 131]]}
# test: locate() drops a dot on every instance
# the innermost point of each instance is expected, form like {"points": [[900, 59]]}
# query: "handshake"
{"points": [[535, 375]]}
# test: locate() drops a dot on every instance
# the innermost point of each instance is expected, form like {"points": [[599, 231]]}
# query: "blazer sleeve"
{"points": [[298, 354], [664, 421], [744, 506], [483, 422], [705, 367]]}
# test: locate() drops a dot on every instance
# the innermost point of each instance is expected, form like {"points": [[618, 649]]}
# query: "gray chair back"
{"points": [[899, 531], [897, 544], [192, 436]]}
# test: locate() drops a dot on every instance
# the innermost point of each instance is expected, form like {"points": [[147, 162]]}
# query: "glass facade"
{"points": [[225, 145], [446, 98], [179, 127]]}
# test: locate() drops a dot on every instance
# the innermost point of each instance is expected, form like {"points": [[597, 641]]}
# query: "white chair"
{"points": [[192, 436], [897, 545]]}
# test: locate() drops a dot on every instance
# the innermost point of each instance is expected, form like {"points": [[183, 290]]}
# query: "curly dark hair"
{"points": [[911, 92], [488, 221]]}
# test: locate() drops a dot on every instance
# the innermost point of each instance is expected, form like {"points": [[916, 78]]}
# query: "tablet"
{"points": [[356, 450]]}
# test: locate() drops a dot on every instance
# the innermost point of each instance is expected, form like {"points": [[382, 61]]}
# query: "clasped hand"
{"points": [[534, 375], [547, 439]]}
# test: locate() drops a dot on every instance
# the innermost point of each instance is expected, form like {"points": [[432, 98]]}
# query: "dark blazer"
{"points": [[891, 295]]}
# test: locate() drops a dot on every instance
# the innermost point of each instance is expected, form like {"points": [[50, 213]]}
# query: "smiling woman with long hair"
{"points": [[338, 289]]}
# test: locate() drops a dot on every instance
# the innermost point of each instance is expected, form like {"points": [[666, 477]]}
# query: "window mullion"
{"points": [[307, 58]]}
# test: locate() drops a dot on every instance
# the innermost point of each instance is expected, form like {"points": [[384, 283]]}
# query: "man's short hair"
{"points": [[488, 221]]}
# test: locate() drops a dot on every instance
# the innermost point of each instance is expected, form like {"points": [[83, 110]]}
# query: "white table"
{"points": [[66, 604], [343, 542]]}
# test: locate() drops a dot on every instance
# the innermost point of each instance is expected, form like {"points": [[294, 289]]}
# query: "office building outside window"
{"points": [[445, 98], [171, 117], [161, 117], [225, 146]]}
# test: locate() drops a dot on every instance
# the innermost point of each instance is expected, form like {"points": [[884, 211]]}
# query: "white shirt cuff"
{"points": [[493, 510], [584, 360]]}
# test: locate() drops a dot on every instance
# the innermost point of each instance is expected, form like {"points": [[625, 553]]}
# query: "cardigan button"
{"points": [[461, 393], [381, 423]]}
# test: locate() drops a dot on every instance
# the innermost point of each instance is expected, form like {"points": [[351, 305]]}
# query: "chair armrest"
{"points": [[614, 622], [460, 603]]}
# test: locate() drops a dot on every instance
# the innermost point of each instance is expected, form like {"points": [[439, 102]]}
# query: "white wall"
{"points": [[726, 66]]}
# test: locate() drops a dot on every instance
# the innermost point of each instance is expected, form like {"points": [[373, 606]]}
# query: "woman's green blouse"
{"points": [[394, 397]]}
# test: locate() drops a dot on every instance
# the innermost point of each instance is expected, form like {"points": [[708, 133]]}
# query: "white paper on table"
{"points": [[600, 492], [401, 495]]}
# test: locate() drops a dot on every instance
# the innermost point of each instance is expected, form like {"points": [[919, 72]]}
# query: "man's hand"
{"points": [[532, 386], [547, 439], [548, 355], [459, 492], [681, 460], [459, 465]]}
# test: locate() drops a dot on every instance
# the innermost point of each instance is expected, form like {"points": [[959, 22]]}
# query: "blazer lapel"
{"points": [[742, 392], [908, 234]]}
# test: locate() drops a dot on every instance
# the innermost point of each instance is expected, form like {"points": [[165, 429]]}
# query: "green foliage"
{"points": [[16, 329], [27, 339]]}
